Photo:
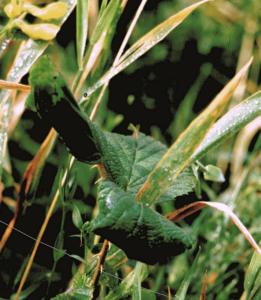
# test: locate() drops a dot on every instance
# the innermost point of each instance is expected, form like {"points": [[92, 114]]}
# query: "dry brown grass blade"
{"points": [[31, 171], [4, 84], [203, 293], [193, 207], [9, 229], [37, 161], [8, 232], [169, 293], [17, 110], [185, 211]]}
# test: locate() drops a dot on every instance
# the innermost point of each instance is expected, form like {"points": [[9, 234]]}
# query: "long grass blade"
{"points": [[9, 85], [183, 288], [144, 44], [229, 124], [81, 29], [180, 154], [120, 51], [195, 206]]}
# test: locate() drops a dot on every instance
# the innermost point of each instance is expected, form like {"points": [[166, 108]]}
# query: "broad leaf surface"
{"points": [[126, 222], [130, 159]]}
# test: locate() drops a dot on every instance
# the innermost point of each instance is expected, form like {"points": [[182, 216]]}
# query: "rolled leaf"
{"points": [[56, 105]]}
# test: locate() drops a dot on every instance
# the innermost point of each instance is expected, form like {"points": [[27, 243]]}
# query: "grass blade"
{"points": [[252, 283], [180, 154], [14, 86], [81, 29], [158, 33], [183, 288], [187, 210], [144, 44], [230, 123], [98, 42]]}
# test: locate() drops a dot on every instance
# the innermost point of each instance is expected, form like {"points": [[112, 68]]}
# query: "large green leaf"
{"points": [[140, 231], [129, 160]]}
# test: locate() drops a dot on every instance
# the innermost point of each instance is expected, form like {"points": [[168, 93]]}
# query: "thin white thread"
{"points": [[72, 257]]}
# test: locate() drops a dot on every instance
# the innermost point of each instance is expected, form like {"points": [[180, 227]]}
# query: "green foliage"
{"points": [[126, 223], [252, 282], [129, 285], [81, 289], [80, 266]]}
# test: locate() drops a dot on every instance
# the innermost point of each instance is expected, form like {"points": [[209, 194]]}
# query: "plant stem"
{"points": [[102, 256]]}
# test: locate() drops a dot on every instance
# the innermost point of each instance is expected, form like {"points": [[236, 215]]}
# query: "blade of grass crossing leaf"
{"points": [[145, 44], [81, 29], [127, 285], [179, 155], [230, 123]]}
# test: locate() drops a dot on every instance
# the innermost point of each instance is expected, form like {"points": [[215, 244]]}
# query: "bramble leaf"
{"points": [[126, 222], [127, 159]]}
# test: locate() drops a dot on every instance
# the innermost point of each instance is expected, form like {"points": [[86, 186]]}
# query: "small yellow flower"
{"points": [[12, 10], [41, 31], [51, 11]]}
